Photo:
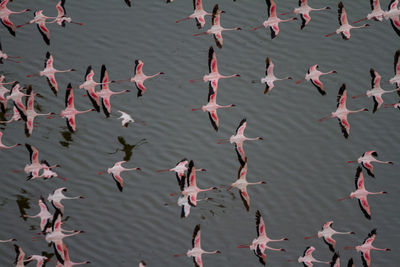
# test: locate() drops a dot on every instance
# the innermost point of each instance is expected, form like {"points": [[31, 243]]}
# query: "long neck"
{"points": [[208, 189], [227, 106], [362, 26], [152, 76], [329, 72], [358, 110], [376, 193], [260, 182], [286, 20], [83, 111], [319, 9], [230, 76], [381, 249], [211, 252], [79, 263]]}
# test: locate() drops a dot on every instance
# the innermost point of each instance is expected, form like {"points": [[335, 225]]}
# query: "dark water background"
{"points": [[303, 161]]}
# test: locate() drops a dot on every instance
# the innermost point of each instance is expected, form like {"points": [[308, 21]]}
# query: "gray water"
{"points": [[303, 161]]}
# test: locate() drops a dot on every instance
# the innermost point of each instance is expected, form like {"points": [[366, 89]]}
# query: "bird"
{"points": [[345, 27], [238, 139], [4, 56], [31, 114], [273, 21], [115, 172], [241, 184], [67, 260], [366, 159], [393, 14], [61, 18], [366, 248], [304, 10], [16, 96], [35, 166], [376, 92], [2, 146], [196, 252], [198, 14], [142, 264], [313, 75], [180, 169], [361, 194], [342, 111], [15, 116], [47, 172], [5, 14], [183, 201], [41, 21], [3, 91], [307, 259], [376, 14], [105, 93], [211, 107], [20, 256], [44, 215], [270, 78], [40, 260], [396, 78], [326, 234], [49, 71], [395, 105], [260, 243], [70, 111], [57, 196], [126, 118]]}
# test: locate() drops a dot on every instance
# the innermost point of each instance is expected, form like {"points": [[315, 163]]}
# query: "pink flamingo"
{"points": [[376, 14], [366, 159], [342, 111], [35, 166], [345, 27], [211, 107], [4, 56], [2, 146], [115, 172], [196, 252], [393, 14], [185, 202], [15, 116], [198, 14], [216, 28], [41, 21], [361, 194], [260, 243], [238, 139], [44, 215], [16, 96], [270, 78], [5, 14], [307, 259], [326, 234], [304, 10], [57, 196], [19, 259], [67, 260], [273, 21], [3, 91], [31, 114], [40, 260], [180, 170], [49, 71], [313, 75], [241, 184], [396, 78], [61, 18], [366, 248]]}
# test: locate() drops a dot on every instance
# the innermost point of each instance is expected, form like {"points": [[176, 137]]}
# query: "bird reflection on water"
{"points": [[127, 148]]}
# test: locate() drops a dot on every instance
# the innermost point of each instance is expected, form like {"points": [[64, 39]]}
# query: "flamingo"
{"points": [[67, 260], [2, 146], [345, 27], [260, 243], [342, 111], [366, 159], [196, 252], [238, 139], [376, 14], [57, 196], [241, 184], [115, 172], [105, 92], [19, 259], [366, 248], [40, 260], [304, 10], [41, 21], [395, 105], [142, 264], [34, 168], [361, 194], [3, 91], [49, 71], [15, 116], [198, 14], [184, 202], [4, 16], [16, 96], [376, 92], [313, 75], [47, 172], [273, 21], [180, 170], [126, 118], [326, 234], [31, 114], [270, 78], [70, 111], [307, 259], [393, 14], [4, 56], [396, 78], [61, 18], [44, 215]]}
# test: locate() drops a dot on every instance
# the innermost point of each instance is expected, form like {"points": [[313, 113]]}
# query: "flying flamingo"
{"points": [[241, 184], [366, 248], [31, 114], [184, 202], [366, 159], [15, 116], [35, 166], [16, 96], [326, 234], [307, 259], [41, 21], [313, 75], [273, 21], [4, 16], [47, 172], [67, 260], [70, 111], [361, 194], [4, 56], [3, 91], [216, 28], [345, 27], [304, 10], [115, 172], [238, 139], [376, 14], [2, 146], [270, 78], [198, 14], [260, 243], [180, 170], [196, 250], [105, 93], [396, 78], [49, 71], [211, 107], [57, 196], [40, 260], [376, 92], [44, 215], [342, 111], [126, 119], [393, 14], [20, 257], [61, 18]]}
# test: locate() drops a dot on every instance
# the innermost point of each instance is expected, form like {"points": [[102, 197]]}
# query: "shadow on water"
{"points": [[127, 148], [67, 135], [23, 203]]}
